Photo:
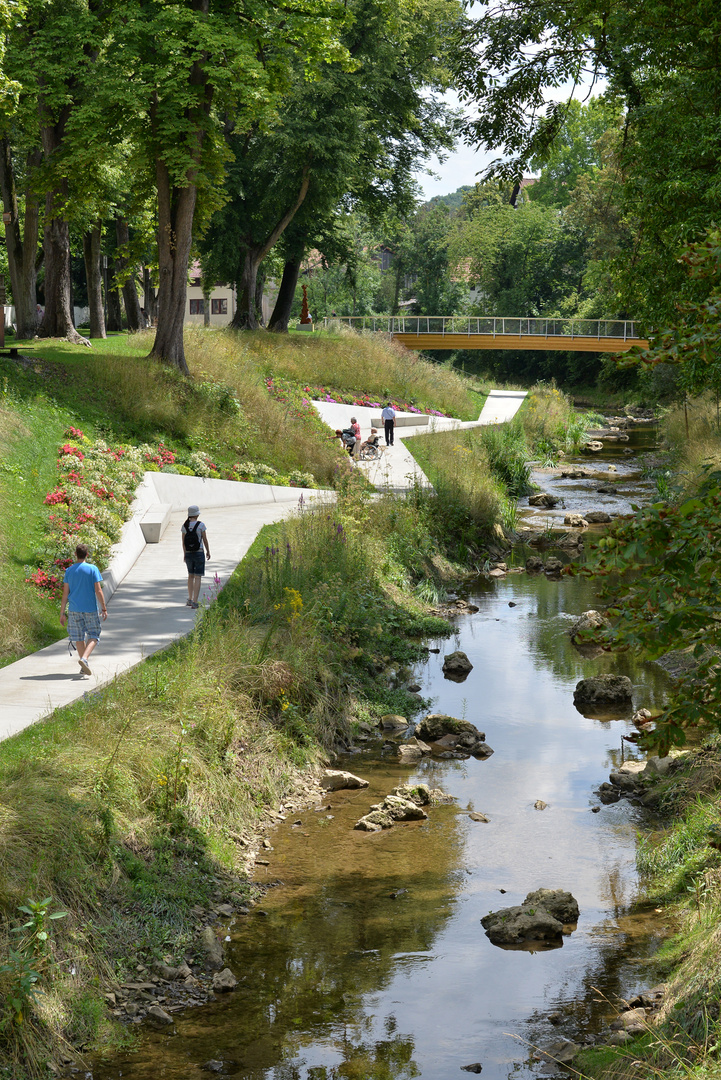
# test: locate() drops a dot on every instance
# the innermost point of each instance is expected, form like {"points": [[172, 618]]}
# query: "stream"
{"points": [[369, 961]]}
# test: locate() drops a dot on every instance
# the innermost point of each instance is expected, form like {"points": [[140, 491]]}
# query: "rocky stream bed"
{"points": [[455, 894]]}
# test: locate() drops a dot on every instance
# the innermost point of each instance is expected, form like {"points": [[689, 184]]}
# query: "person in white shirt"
{"points": [[389, 419]]}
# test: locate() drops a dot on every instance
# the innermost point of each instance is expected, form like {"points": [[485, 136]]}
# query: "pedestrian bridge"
{"points": [[479, 332]]}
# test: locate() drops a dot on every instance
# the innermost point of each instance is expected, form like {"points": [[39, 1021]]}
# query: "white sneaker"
{"points": [[85, 667]]}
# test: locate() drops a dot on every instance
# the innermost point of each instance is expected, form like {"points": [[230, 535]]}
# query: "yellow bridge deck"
{"points": [[554, 342]]}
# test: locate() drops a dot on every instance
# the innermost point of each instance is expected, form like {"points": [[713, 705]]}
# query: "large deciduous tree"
{"points": [[351, 138], [22, 232], [191, 69], [661, 63]]}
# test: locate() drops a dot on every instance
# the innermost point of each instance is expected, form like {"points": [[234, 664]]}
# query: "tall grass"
{"points": [[356, 363], [470, 497], [550, 421], [692, 431]]}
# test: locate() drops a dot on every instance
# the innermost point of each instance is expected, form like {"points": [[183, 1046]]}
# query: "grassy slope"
{"points": [[112, 391], [132, 806]]}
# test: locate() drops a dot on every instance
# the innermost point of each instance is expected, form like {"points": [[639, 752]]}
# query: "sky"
{"points": [[459, 168], [464, 163]]}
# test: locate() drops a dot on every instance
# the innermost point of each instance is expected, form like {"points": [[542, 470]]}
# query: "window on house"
{"points": [[197, 307], [219, 307]]}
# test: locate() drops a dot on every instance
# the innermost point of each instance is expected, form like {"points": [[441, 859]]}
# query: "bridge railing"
{"points": [[622, 329]]}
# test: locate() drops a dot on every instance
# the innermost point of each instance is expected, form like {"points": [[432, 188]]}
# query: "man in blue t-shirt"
{"points": [[82, 595]]}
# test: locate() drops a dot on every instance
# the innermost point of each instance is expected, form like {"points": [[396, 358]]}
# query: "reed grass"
{"points": [[469, 496], [550, 421]]}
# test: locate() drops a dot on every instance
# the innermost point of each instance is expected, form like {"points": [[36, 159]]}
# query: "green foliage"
{"points": [[675, 607], [659, 187], [524, 260], [421, 254], [693, 340], [21, 974], [576, 151], [350, 137]]}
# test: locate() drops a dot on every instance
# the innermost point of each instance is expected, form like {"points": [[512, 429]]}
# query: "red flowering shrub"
{"points": [[68, 450]]}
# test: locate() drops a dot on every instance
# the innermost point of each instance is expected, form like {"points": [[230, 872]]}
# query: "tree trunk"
{"points": [[176, 207], [259, 290], [22, 251], [280, 318], [245, 317], [58, 317], [150, 297], [130, 292], [94, 277], [115, 311]]}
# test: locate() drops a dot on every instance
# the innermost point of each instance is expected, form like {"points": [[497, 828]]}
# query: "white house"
{"points": [[223, 301]]}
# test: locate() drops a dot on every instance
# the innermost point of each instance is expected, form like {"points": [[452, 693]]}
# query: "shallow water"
{"points": [[580, 496], [368, 961]]}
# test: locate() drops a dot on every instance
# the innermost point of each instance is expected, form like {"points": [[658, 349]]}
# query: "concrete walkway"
{"points": [[147, 611], [146, 584], [397, 469]]}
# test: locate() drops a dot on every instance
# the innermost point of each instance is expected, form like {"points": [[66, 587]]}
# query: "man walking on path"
{"points": [[389, 419], [82, 595], [194, 536]]}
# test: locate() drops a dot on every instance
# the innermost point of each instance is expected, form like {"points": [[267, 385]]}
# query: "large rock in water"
{"points": [[587, 623], [597, 517], [542, 499], [211, 949], [412, 751], [456, 665], [436, 725], [541, 917], [616, 690], [337, 780], [403, 804]]}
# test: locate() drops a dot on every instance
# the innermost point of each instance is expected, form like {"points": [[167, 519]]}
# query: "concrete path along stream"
{"points": [[149, 582]]}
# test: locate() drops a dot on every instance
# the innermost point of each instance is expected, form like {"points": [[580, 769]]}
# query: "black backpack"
{"points": [[191, 539]]}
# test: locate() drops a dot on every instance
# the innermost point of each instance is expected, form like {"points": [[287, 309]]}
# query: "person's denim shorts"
{"points": [[83, 624], [195, 561]]}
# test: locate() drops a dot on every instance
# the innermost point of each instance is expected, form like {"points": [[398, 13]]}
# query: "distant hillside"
{"points": [[452, 201]]}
